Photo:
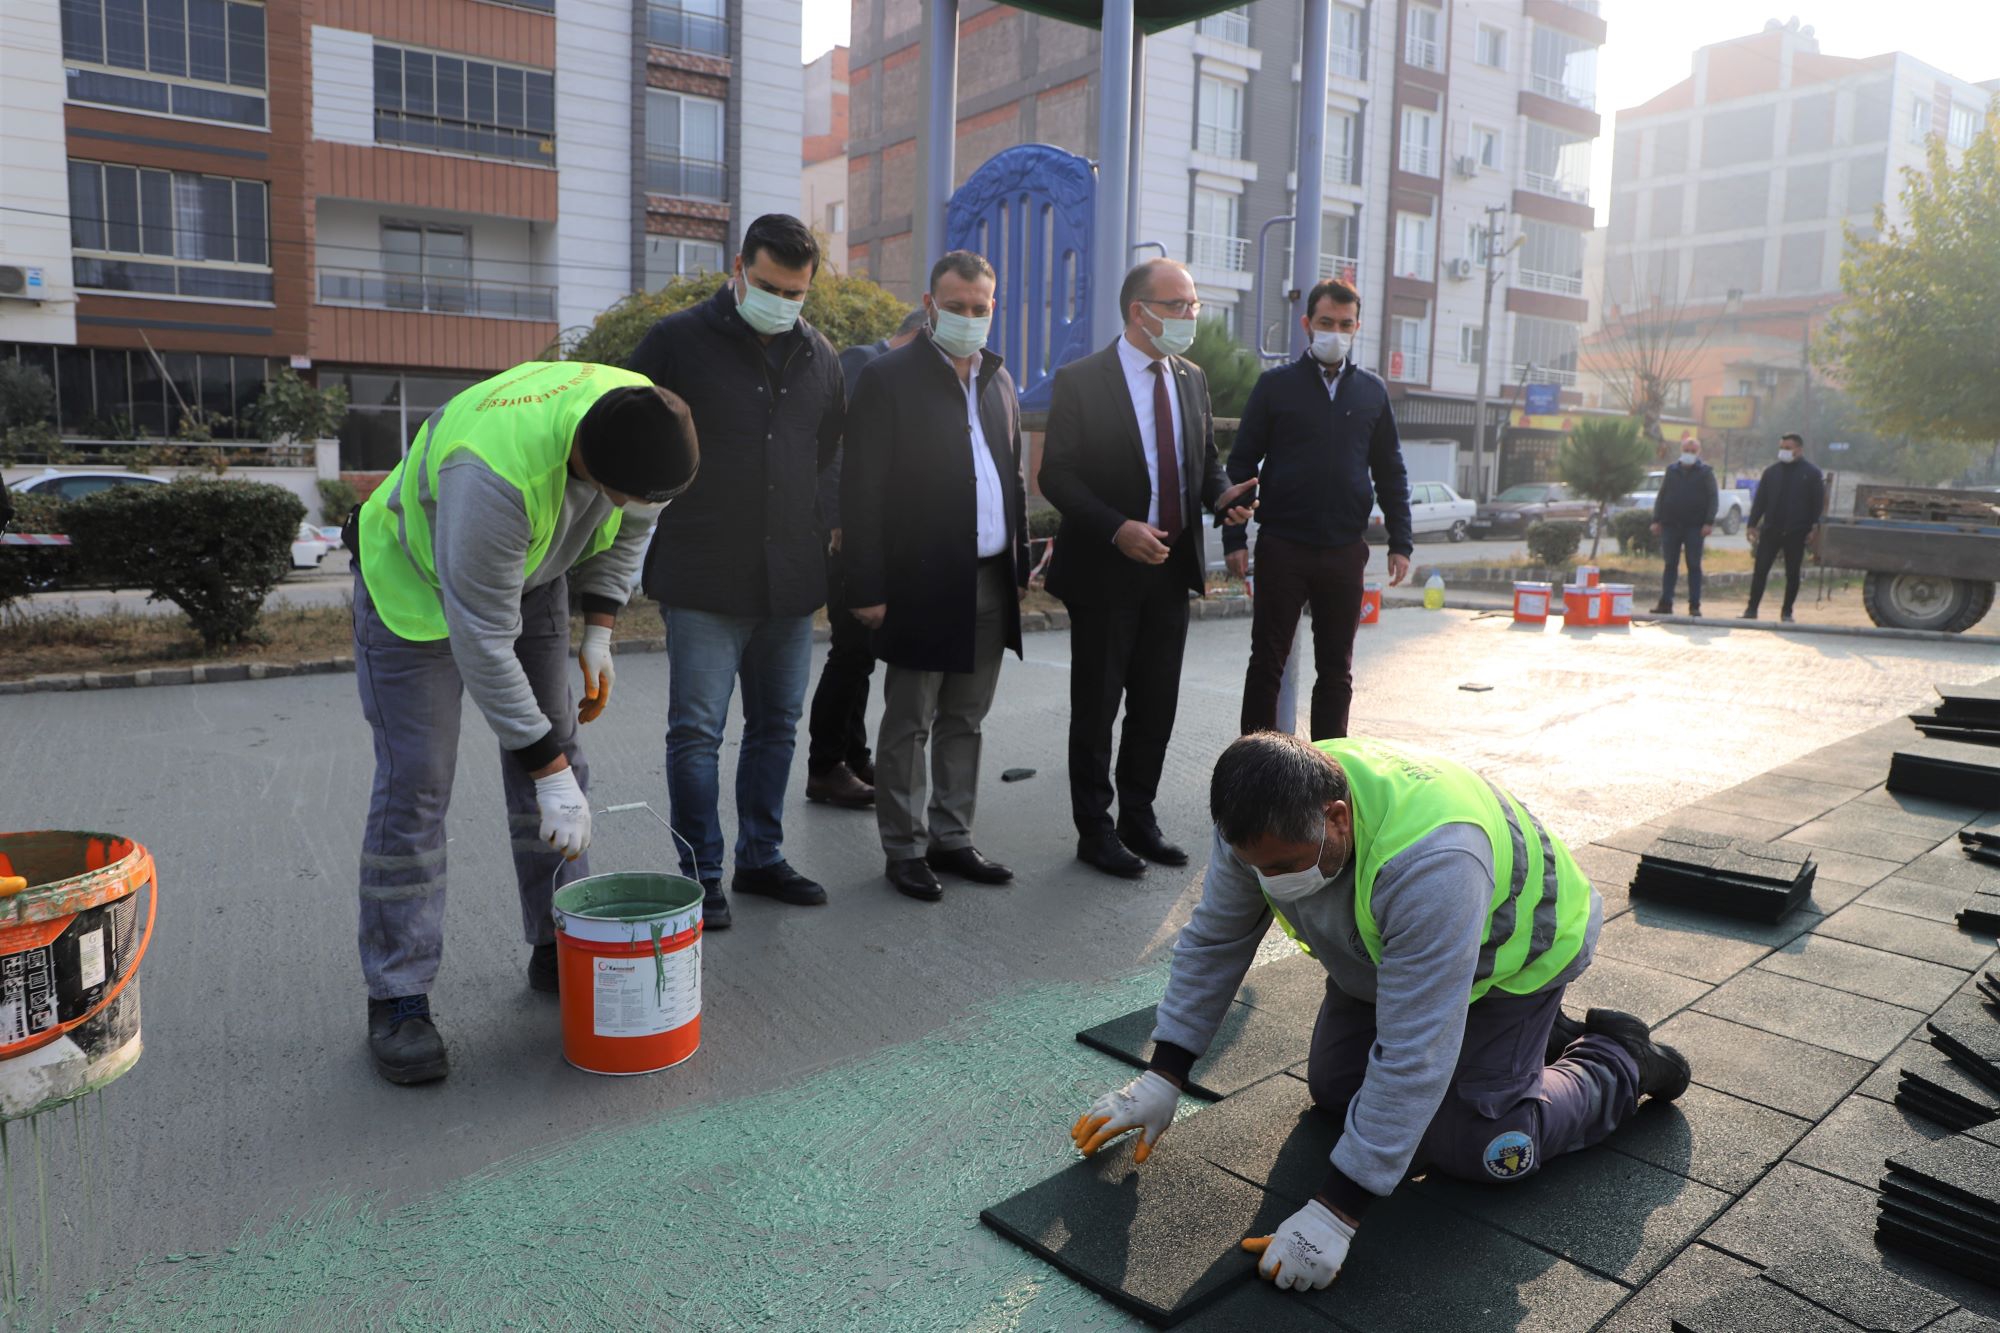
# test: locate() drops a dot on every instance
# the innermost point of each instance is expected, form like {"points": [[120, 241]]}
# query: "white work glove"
{"points": [[565, 813], [595, 659], [1146, 1104], [1306, 1251]]}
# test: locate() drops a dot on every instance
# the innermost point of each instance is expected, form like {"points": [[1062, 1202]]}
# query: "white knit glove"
{"points": [[1306, 1251], [565, 813], [1146, 1104], [595, 659]]}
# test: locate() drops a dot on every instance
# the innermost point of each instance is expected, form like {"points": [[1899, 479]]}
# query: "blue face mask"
{"points": [[766, 312]]}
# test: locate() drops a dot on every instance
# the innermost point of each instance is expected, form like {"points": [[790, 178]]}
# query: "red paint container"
{"points": [[628, 960]]}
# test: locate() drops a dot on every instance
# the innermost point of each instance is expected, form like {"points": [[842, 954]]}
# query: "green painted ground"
{"points": [[847, 1201]]}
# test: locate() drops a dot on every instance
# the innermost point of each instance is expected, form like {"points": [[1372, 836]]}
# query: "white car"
{"points": [[310, 548], [1731, 509], [76, 485], [1436, 510]]}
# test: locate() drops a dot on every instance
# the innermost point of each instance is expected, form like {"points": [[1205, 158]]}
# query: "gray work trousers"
{"points": [[410, 694], [944, 709]]}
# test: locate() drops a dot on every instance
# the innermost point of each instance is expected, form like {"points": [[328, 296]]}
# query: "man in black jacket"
{"points": [[1790, 497], [937, 560], [839, 768], [1314, 433], [1683, 516], [1129, 460], [738, 565]]}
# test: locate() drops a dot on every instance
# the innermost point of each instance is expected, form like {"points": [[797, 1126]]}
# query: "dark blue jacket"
{"points": [[1688, 496], [1789, 498], [1315, 458], [852, 359]]}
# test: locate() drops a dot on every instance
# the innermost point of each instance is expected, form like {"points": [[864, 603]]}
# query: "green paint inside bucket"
{"points": [[642, 900]]}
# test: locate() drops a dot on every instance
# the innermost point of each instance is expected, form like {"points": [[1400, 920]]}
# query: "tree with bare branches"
{"points": [[1648, 344]]}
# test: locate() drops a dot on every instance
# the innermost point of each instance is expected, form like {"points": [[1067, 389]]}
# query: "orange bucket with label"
{"points": [[1582, 606], [628, 961], [1531, 602], [1617, 603], [1371, 604]]}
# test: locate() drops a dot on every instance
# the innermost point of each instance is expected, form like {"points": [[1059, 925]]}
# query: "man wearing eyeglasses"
{"points": [[1129, 459]]}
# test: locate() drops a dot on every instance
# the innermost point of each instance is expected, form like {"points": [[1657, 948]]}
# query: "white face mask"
{"points": [[1689, 460], [1296, 884], [958, 336], [641, 512], [766, 312], [1330, 348], [1175, 335], [1786, 455]]}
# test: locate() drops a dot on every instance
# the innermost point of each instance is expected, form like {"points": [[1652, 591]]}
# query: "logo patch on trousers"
{"points": [[1511, 1154]]}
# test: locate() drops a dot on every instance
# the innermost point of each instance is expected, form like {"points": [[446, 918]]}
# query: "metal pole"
{"points": [[1311, 201], [1114, 148], [1481, 490], [1136, 154], [939, 133], [1263, 236]]}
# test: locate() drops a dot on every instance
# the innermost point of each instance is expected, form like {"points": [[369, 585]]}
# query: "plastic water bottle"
{"points": [[1434, 593]]}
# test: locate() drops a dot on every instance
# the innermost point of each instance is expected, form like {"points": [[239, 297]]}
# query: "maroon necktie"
{"points": [[1166, 448]]}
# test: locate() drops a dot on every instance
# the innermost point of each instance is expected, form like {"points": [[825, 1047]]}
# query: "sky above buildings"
{"points": [[1652, 43]]}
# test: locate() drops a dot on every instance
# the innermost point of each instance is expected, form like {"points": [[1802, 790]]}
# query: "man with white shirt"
{"points": [[934, 530], [1129, 459]]}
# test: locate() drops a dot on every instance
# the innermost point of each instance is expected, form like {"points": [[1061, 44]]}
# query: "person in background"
{"points": [[937, 543], [1129, 460], [1313, 435], [1791, 497], [1683, 516], [739, 566], [839, 769]]}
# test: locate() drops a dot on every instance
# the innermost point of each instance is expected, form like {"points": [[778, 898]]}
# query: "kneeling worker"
{"points": [[1449, 921], [463, 559]]}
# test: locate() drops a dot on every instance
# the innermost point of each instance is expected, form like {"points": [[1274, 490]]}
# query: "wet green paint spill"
{"points": [[846, 1201]]}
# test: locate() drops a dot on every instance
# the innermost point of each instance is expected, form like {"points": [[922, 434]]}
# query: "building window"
{"points": [[1341, 155], [1339, 243], [1564, 67], [1219, 118], [670, 257], [1551, 258], [1475, 242], [1419, 151], [199, 236], [385, 409], [427, 266], [1920, 120], [1213, 242], [1963, 127], [1343, 42], [191, 58], [1558, 163], [1488, 149], [1491, 47], [454, 105], [1471, 348], [1409, 349], [106, 394], [684, 146], [836, 218], [1544, 350], [1678, 397], [1422, 39], [1414, 252], [689, 25], [1745, 389], [1231, 25]]}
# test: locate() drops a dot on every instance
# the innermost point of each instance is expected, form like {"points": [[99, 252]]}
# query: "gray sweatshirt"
{"points": [[480, 538], [1430, 902]]}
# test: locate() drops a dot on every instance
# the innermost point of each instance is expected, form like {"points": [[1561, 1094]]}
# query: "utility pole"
{"points": [[1491, 253]]}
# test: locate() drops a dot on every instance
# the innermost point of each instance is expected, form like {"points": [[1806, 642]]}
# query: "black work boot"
{"points": [[542, 970], [1565, 1031], [404, 1041], [714, 907], [1663, 1071]]}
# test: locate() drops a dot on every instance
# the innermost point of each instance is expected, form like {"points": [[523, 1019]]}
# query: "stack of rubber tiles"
{"points": [[1941, 1202], [1963, 772], [1981, 913], [1963, 713], [1946, 1081], [1740, 877]]}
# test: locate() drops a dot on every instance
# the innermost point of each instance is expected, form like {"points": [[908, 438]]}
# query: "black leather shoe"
{"points": [[1663, 1071], [1108, 854], [914, 879], [863, 769], [1663, 608], [542, 969], [778, 880], [714, 908], [840, 786], [1565, 1031], [967, 863], [1785, 618], [1751, 614], [1150, 843], [404, 1041], [1695, 611]]}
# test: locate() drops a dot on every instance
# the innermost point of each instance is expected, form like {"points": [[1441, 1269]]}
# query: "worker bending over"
{"points": [[1449, 921], [544, 474]]}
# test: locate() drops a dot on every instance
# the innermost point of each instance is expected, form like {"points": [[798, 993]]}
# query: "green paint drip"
{"points": [[659, 964], [41, 1201], [7, 1166]]}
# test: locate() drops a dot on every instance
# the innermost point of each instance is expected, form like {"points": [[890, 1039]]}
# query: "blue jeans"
{"points": [[707, 652], [1675, 538]]}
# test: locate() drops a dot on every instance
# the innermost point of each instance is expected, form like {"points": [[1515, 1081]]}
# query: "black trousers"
{"points": [[1126, 650], [1769, 544], [1291, 576], [837, 727], [1676, 538]]}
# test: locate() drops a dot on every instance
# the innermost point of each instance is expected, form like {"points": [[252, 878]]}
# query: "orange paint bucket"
{"points": [[628, 961], [1531, 602], [1617, 603], [1582, 606], [1371, 604]]}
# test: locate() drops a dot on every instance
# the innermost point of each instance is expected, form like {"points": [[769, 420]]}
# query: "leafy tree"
{"points": [[291, 409], [1230, 366], [1913, 342], [1603, 459], [337, 499], [1833, 415], [847, 308], [27, 398]]}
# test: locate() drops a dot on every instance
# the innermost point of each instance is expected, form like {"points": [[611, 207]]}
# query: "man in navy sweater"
{"points": [[1315, 432]]}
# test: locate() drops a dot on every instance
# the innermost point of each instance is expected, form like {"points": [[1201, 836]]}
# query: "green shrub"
{"points": [[1555, 543], [1229, 366], [213, 548], [36, 440], [847, 308], [1603, 459], [1634, 531], [337, 499], [27, 396], [1044, 522], [291, 409]]}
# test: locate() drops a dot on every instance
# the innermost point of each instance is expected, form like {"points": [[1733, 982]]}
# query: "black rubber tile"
{"points": [[1293, 986], [1611, 1213], [1697, 845], [1934, 902], [1970, 1040], [1838, 834], [1733, 819], [1857, 775], [1964, 1321], [1634, 839], [1605, 865], [1876, 973], [1683, 943], [1251, 1045], [1160, 1240], [1952, 868], [1687, 1282], [1860, 1134], [1959, 1165], [1932, 1244], [1792, 805], [1842, 867], [1916, 1053], [1763, 1306], [1773, 1071], [1935, 825], [1942, 1111], [1613, 983], [1710, 1136], [1851, 1024], [1910, 1196], [1919, 1062], [1269, 1135], [1914, 937], [1860, 1292], [1795, 1211], [1950, 770], [1259, 1306], [1919, 805]]}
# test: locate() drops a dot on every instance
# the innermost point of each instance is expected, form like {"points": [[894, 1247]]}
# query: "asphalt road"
{"points": [[255, 1098]]}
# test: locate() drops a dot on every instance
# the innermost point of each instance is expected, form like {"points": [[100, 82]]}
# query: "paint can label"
{"points": [[646, 996]]}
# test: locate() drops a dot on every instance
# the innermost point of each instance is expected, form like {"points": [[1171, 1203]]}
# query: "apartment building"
{"points": [[1732, 192], [823, 179], [398, 198]]}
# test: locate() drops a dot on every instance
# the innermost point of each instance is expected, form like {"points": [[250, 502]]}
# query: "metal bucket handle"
{"points": [[693, 856]]}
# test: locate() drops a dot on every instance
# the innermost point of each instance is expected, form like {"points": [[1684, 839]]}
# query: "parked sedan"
{"points": [[309, 548], [1515, 509], [1436, 510], [76, 485]]}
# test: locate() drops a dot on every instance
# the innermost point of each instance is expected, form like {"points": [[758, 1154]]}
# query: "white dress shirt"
{"points": [[1139, 379], [991, 502], [1339, 374]]}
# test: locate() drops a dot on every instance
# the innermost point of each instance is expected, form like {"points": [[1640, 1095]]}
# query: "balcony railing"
{"points": [[686, 177], [1562, 284], [1414, 264], [1228, 253], [1343, 61], [670, 25], [1231, 25], [1413, 365], [1555, 187], [1344, 267], [457, 136], [374, 289], [1587, 6], [1527, 374], [1419, 158], [1421, 52], [1339, 169], [1562, 91], [1221, 140]]}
